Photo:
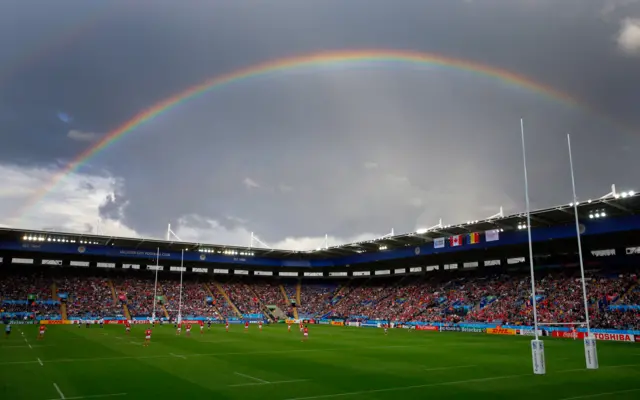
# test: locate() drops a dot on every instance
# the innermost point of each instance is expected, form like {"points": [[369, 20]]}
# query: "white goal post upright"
{"points": [[155, 287], [180, 297], [537, 345], [590, 350]]}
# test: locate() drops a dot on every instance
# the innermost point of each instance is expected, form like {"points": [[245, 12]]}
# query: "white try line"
{"points": [[40, 361], [251, 377], [447, 368], [268, 383], [178, 356], [94, 396], [55, 385], [591, 396]]}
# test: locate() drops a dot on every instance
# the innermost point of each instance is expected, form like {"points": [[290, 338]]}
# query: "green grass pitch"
{"points": [[336, 363]]}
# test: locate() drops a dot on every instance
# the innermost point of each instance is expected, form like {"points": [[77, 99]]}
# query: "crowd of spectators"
{"points": [[503, 299], [314, 298], [138, 294], [89, 297], [194, 300], [243, 298], [221, 303]]}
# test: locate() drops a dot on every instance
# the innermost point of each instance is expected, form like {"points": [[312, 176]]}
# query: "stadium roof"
{"points": [[618, 205]]}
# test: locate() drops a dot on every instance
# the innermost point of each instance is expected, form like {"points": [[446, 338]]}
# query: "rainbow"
{"points": [[343, 58]]}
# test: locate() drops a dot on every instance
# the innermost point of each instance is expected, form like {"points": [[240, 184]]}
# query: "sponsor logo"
{"points": [[203, 257], [426, 328], [82, 249], [474, 330], [451, 329], [21, 322], [337, 323], [501, 331], [617, 337], [603, 253], [529, 332], [633, 250], [417, 250], [637, 338], [568, 335]]}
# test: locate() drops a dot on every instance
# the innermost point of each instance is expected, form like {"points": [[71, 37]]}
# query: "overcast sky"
{"points": [[348, 152]]}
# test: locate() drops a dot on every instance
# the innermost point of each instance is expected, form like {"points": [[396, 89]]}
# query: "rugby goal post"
{"points": [[590, 348]]}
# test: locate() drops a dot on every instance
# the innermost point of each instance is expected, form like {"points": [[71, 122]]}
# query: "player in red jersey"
{"points": [[127, 326], [226, 325], [41, 332], [246, 326], [260, 325], [147, 337], [179, 329], [188, 329], [305, 334], [301, 326]]}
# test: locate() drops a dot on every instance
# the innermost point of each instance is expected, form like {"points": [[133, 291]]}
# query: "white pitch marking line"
{"points": [[23, 346], [178, 356], [95, 396], [251, 377], [268, 383], [28, 344], [55, 385], [446, 368], [393, 389], [589, 396], [40, 361]]}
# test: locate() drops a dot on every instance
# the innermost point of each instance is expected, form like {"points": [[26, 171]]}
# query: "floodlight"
{"points": [[422, 230]]}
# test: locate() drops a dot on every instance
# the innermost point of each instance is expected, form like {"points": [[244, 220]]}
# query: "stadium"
{"points": [[456, 301]]}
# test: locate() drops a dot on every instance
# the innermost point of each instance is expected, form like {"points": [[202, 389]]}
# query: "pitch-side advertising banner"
{"points": [[55, 322], [19, 322], [614, 337], [501, 331], [530, 332], [337, 323], [426, 328]]}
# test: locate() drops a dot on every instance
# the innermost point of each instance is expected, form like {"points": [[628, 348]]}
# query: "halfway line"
{"points": [[59, 391], [251, 377]]}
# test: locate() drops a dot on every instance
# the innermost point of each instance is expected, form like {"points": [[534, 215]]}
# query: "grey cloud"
{"points": [[629, 36], [82, 136], [342, 149]]}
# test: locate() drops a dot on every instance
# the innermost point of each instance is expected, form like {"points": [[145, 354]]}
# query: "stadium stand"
{"points": [[454, 297]]}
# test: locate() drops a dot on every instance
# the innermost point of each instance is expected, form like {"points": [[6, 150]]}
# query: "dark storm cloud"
{"points": [[339, 152]]}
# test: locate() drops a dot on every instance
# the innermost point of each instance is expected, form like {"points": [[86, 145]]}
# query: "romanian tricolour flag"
{"points": [[473, 238]]}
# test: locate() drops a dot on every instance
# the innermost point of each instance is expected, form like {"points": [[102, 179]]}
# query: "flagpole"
{"points": [[155, 286], [180, 298], [536, 345], [589, 343]]}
